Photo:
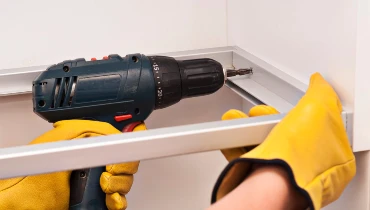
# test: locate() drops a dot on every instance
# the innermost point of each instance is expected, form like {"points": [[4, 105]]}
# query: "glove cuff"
{"points": [[239, 169]]}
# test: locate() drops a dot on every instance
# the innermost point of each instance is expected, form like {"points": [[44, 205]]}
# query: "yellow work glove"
{"points": [[310, 143], [51, 191]]}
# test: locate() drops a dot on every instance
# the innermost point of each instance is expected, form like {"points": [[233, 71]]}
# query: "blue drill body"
{"points": [[120, 91], [98, 90]]}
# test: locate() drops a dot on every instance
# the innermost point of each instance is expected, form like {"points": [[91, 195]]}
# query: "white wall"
{"points": [[300, 37], [303, 37], [44, 32]]}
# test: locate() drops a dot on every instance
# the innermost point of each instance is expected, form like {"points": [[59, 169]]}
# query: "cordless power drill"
{"points": [[122, 91]]}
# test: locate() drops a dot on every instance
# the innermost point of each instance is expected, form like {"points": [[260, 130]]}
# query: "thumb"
{"points": [[261, 110]]}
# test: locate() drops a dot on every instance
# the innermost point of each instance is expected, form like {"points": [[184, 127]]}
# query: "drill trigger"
{"points": [[130, 127]]}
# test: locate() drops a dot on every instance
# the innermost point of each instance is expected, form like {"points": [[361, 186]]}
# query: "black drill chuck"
{"points": [[175, 79]]}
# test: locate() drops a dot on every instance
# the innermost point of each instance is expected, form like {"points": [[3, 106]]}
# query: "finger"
{"points": [[233, 114], [317, 79], [233, 153], [121, 184], [261, 110], [123, 168], [126, 168], [140, 127], [116, 201], [323, 91], [74, 129]]}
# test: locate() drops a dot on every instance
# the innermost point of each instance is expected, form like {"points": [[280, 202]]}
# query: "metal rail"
{"points": [[19, 80], [151, 144], [267, 85]]}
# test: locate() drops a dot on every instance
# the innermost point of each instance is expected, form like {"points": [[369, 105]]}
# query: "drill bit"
{"points": [[232, 72]]}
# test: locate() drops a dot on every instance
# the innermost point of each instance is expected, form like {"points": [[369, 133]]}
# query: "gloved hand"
{"points": [[51, 191], [310, 143]]}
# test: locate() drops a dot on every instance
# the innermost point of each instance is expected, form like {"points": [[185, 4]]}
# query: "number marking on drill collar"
{"points": [[159, 89]]}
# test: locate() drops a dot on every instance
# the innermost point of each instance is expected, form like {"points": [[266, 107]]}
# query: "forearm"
{"points": [[267, 187]]}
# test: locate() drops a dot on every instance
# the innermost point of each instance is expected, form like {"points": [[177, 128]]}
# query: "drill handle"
{"points": [[86, 192]]}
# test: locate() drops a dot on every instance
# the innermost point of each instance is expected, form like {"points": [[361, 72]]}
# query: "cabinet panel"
{"points": [[362, 85]]}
